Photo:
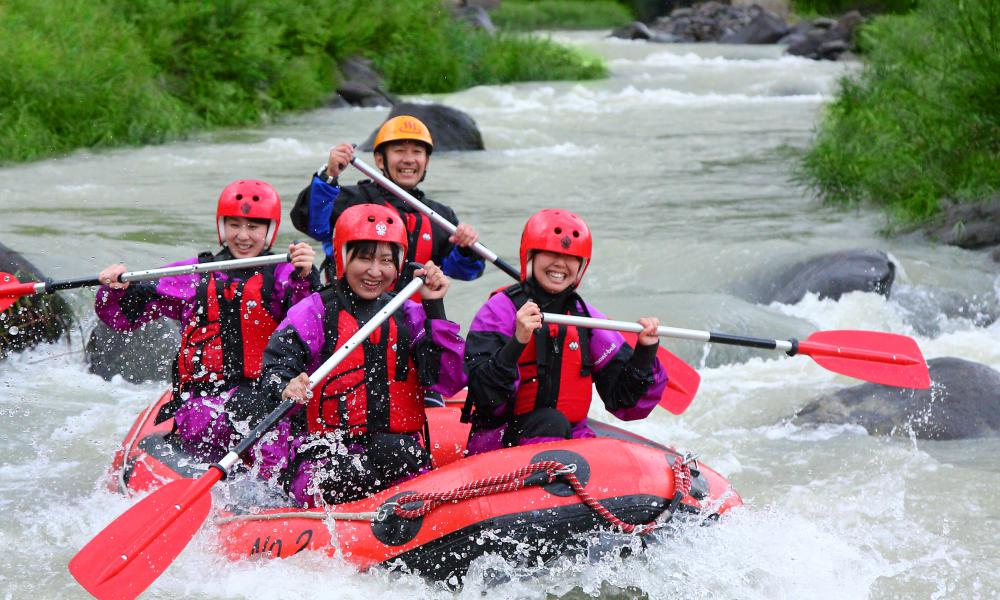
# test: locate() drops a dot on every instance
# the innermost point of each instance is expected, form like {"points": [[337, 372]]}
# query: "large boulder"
{"points": [[765, 28], [967, 224], [361, 85], [828, 276], [31, 319], [146, 354], [962, 402], [827, 40], [450, 128]]}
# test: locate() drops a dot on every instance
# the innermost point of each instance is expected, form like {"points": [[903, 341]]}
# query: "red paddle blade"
{"points": [[130, 553], [11, 289], [682, 379], [886, 358]]}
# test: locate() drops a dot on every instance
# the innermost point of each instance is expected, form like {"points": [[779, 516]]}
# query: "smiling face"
{"points": [[245, 237], [405, 162], [371, 271], [554, 271]]}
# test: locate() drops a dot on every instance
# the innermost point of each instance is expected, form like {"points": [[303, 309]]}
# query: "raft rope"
{"points": [[520, 479]]}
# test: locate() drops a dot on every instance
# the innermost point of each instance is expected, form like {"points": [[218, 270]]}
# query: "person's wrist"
{"points": [[326, 177]]}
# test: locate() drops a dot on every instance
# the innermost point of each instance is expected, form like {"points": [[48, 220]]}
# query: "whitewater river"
{"points": [[681, 161]]}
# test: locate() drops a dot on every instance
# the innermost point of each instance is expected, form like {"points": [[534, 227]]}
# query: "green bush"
{"points": [[839, 7], [559, 14], [112, 72], [923, 121]]}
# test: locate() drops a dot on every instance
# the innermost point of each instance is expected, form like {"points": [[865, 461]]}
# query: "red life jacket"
{"points": [[554, 368], [224, 343], [375, 390]]}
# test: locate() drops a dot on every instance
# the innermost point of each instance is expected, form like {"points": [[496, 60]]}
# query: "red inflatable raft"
{"points": [[523, 503]]}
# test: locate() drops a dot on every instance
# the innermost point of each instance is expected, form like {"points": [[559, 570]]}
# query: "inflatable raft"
{"points": [[527, 503]]}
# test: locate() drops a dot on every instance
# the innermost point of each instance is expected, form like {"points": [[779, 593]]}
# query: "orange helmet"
{"points": [[404, 127], [251, 199], [368, 222], [555, 230]]}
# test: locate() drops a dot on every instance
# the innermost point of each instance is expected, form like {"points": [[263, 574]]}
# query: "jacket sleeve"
{"points": [[491, 353], [294, 346], [313, 211], [629, 381], [289, 288], [131, 308], [459, 263], [437, 347]]}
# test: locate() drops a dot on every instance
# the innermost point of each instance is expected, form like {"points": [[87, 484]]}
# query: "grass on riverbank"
{"points": [[922, 122], [117, 72], [526, 15], [839, 7]]}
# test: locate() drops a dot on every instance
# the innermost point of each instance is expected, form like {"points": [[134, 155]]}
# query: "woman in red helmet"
{"points": [[361, 428], [226, 316], [530, 382], [402, 150]]}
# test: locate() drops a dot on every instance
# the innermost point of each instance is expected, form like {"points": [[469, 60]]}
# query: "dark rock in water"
{"points": [[637, 30], [450, 128], [827, 40], [829, 276], [361, 85], [962, 402], [765, 28], [32, 319], [925, 306], [145, 354], [968, 224]]}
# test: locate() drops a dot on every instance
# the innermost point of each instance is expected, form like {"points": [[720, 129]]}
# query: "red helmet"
{"points": [[368, 222], [555, 230], [251, 199]]}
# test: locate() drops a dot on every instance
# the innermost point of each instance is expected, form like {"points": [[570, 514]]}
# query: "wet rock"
{"points": [[827, 40], [765, 28], [828, 276], [967, 224], [963, 402], [637, 30], [932, 311], [450, 128], [146, 354], [361, 85], [31, 319]]}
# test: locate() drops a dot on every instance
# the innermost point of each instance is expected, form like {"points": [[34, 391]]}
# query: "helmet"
{"points": [[368, 222], [251, 199], [555, 230], [404, 127]]}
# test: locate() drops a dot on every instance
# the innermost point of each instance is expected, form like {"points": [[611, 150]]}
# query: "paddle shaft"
{"points": [[438, 220], [47, 287], [788, 346]]}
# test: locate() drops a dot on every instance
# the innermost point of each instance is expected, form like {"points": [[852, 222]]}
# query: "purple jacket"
{"points": [[618, 371]]}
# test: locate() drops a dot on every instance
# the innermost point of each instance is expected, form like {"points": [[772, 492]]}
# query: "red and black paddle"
{"points": [[683, 380], [130, 553], [886, 358], [11, 289]]}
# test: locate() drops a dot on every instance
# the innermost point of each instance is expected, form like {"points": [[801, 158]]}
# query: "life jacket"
{"points": [[376, 390], [222, 346], [554, 368]]}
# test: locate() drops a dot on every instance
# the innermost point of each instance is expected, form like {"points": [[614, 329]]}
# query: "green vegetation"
{"points": [[114, 72], [923, 121], [839, 7], [560, 14]]}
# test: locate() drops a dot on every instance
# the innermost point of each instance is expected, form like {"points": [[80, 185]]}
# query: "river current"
{"points": [[681, 162]]}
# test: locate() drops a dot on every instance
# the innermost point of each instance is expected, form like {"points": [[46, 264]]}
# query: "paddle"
{"points": [[130, 553], [885, 358], [11, 289], [682, 381]]}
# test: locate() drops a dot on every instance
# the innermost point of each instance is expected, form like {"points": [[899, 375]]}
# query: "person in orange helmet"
{"points": [[226, 319], [531, 382], [403, 147]]}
